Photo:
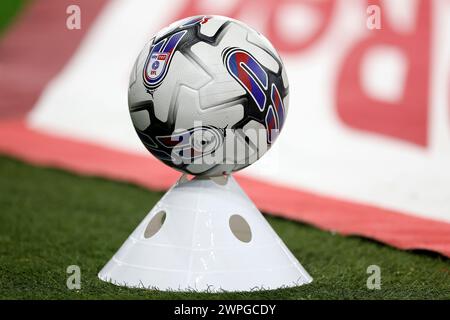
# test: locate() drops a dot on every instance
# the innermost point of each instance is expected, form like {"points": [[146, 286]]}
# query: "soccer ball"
{"points": [[208, 95]]}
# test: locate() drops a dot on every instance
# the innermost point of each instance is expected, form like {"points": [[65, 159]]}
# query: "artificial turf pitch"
{"points": [[50, 219]]}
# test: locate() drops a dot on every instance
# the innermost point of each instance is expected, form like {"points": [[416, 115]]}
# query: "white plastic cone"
{"points": [[204, 235]]}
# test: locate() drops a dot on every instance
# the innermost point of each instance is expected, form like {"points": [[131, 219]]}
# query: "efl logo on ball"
{"points": [[158, 60]]}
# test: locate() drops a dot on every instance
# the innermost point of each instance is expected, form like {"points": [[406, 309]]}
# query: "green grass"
{"points": [[51, 219], [9, 9]]}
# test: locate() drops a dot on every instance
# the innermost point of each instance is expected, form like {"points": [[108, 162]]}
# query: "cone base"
{"points": [[204, 235]]}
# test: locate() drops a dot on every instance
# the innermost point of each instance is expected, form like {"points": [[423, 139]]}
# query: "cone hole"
{"points": [[155, 224], [240, 228]]}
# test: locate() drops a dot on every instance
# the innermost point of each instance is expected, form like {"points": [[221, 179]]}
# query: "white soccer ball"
{"points": [[208, 95]]}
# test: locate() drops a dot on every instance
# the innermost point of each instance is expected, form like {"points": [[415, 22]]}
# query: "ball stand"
{"points": [[205, 234]]}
